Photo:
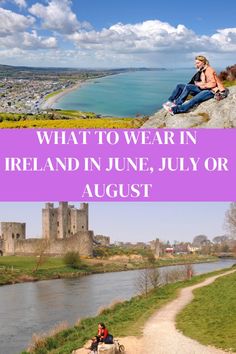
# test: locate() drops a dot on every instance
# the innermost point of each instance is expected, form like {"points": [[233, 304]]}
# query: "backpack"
{"points": [[109, 339], [220, 95]]}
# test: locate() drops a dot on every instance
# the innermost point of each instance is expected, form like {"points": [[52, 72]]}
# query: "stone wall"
{"points": [[82, 243], [102, 240]]}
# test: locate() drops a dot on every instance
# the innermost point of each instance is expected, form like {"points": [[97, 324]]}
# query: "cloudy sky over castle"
{"points": [[104, 33]]}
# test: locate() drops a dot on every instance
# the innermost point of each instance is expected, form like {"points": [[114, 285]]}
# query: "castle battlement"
{"points": [[64, 227], [63, 221]]}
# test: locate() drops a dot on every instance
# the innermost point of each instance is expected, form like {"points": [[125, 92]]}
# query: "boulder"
{"points": [[209, 114], [106, 349]]}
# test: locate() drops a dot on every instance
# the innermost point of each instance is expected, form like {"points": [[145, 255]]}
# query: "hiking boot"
{"points": [[169, 104], [168, 109]]}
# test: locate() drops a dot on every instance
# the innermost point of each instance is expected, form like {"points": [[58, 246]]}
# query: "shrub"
{"points": [[72, 259]]}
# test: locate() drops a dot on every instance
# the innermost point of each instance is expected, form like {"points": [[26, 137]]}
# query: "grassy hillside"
{"points": [[67, 119], [123, 319], [211, 316]]}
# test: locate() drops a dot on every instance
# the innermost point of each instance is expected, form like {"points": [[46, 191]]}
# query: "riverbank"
{"points": [[16, 269], [123, 319]]}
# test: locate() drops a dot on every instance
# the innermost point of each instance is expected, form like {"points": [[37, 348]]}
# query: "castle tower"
{"points": [[62, 220], [9, 233], [155, 247], [49, 221]]}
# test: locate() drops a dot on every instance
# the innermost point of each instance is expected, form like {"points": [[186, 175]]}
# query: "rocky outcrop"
{"points": [[209, 114]]}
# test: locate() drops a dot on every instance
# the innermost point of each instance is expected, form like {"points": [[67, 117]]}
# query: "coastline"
{"points": [[48, 103]]}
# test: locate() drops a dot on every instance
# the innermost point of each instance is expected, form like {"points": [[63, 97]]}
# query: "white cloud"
{"points": [[32, 40], [20, 3], [16, 32], [226, 38], [58, 16], [11, 22], [28, 40], [150, 43], [152, 36]]}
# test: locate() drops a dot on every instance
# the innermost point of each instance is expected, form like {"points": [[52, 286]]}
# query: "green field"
{"points": [[123, 319], [211, 316]]}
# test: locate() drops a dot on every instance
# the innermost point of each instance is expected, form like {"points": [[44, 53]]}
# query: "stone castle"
{"points": [[65, 228]]}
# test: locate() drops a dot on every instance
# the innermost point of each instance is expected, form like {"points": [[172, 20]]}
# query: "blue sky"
{"points": [[102, 33], [134, 222]]}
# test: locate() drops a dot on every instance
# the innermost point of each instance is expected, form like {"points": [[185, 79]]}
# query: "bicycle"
{"points": [[119, 347]]}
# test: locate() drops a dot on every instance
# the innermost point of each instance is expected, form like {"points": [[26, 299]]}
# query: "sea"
{"points": [[129, 94]]}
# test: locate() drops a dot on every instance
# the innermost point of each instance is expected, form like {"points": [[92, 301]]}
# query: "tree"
{"points": [[147, 279], [199, 240], [40, 253], [142, 282], [230, 220]]}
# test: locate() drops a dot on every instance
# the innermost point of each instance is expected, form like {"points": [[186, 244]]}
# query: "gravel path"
{"points": [[160, 335]]}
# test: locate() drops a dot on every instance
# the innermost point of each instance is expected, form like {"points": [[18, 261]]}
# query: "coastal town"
{"points": [[30, 90], [27, 90], [27, 95]]}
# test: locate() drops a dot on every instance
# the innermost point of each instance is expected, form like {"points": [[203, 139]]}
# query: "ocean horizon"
{"points": [[128, 94]]}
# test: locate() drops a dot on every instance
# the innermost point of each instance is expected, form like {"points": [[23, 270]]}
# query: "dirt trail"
{"points": [[160, 335]]}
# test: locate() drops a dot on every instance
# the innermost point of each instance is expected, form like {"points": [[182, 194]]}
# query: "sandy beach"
{"points": [[48, 103]]}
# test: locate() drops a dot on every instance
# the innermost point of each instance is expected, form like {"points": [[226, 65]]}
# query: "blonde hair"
{"points": [[203, 59]]}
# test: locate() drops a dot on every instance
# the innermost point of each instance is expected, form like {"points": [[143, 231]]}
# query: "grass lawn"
{"points": [[123, 319], [28, 263], [15, 269], [211, 316]]}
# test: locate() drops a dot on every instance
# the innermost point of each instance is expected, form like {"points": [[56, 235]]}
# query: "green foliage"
{"points": [[101, 251], [229, 83], [211, 316], [72, 259]]}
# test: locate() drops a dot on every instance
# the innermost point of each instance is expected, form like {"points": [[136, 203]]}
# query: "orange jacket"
{"points": [[210, 80]]}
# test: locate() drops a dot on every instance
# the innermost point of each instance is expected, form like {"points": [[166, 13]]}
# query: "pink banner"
{"points": [[118, 165]]}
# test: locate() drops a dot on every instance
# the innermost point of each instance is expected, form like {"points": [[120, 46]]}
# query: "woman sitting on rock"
{"points": [[204, 85], [101, 336]]}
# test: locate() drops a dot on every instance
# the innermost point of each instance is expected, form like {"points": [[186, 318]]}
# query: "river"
{"points": [[29, 308]]}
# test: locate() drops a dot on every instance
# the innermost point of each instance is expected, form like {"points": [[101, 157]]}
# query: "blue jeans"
{"points": [[181, 92], [176, 93], [202, 96]]}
